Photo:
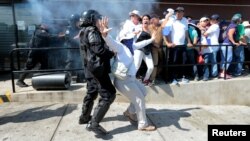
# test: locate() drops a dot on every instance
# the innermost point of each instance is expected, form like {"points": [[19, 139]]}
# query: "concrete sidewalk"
{"points": [[59, 122], [180, 112], [215, 92]]}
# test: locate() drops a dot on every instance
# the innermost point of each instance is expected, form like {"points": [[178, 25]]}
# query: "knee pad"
{"points": [[91, 96], [112, 98], [87, 108], [107, 101]]}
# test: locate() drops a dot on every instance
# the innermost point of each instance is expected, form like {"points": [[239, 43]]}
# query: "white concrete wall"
{"points": [[215, 92]]}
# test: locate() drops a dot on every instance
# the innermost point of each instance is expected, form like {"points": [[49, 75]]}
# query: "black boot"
{"points": [[84, 119], [96, 128], [20, 82], [98, 115], [86, 111]]}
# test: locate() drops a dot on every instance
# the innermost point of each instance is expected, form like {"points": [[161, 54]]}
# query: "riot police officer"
{"points": [[96, 57], [41, 38], [73, 55]]}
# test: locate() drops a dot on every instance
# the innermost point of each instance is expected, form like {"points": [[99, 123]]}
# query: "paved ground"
{"points": [[58, 122]]}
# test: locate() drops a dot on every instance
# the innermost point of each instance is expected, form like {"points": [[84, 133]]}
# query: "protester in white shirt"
{"points": [[212, 35], [130, 86], [246, 24], [129, 29], [176, 41]]}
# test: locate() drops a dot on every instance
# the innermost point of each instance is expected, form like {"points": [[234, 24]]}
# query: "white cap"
{"points": [[170, 10], [203, 19], [135, 12], [246, 24]]}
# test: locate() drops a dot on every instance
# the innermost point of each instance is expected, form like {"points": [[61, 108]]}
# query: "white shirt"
{"points": [[247, 34], [128, 29], [178, 30], [213, 36], [204, 41], [123, 53]]}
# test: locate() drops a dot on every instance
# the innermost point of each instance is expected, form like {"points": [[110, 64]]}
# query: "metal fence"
{"points": [[14, 70]]}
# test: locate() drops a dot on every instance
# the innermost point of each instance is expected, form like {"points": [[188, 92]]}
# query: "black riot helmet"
{"points": [[74, 18], [89, 18]]}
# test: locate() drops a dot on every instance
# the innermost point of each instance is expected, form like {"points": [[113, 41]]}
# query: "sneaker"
{"points": [[227, 76], [196, 78], [237, 74], [174, 82], [140, 78], [214, 77], [205, 79], [21, 84], [98, 129], [221, 75], [84, 120], [148, 128], [184, 80], [147, 83], [131, 117]]}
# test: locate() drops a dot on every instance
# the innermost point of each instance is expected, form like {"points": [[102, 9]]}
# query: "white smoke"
{"points": [[59, 11], [116, 10]]}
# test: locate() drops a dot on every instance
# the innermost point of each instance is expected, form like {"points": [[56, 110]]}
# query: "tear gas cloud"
{"points": [[59, 11], [116, 10]]}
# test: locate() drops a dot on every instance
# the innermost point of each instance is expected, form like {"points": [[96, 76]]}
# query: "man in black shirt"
{"points": [[41, 38]]}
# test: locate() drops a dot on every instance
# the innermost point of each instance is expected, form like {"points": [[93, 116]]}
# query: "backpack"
{"points": [[223, 33], [190, 25]]}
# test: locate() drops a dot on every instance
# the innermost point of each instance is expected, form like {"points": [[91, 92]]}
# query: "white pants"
{"points": [[135, 92], [138, 56]]}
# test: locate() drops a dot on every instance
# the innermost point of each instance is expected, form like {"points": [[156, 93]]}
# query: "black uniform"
{"points": [[41, 38], [73, 55], [96, 57]]}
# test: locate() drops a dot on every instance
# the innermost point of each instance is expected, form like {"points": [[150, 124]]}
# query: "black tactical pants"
{"points": [[34, 58], [107, 92]]}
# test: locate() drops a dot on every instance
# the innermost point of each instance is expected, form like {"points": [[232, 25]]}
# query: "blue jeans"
{"points": [[208, 57], [239, 57], [214, 66], [191, 60], [223, 56]]}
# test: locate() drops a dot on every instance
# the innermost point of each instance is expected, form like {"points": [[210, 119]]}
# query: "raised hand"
{"points": [[103, 26]]}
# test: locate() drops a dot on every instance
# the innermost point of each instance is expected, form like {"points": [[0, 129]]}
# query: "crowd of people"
{"points": [[185, 49]]}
